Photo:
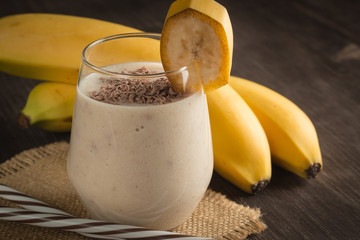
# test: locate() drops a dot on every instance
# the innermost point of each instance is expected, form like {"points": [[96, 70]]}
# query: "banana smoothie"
{"points": [[147, 161]]}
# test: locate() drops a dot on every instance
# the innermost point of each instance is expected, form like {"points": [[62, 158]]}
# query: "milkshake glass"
{"points": [[139, 164]]}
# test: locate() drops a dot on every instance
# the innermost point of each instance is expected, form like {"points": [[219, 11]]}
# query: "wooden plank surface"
{"points": [[309, 51]]}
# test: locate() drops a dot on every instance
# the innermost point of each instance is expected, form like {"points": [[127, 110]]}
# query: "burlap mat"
{"points": [[41, 173]]}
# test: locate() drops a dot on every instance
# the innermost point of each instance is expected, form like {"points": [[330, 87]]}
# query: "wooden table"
{"points": [[309, 52]]}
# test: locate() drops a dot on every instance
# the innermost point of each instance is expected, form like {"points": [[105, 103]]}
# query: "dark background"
{"points": [[309, 51]]}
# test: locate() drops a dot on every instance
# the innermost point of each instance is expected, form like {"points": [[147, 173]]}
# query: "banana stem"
{"points": [[313, 170], [23, 121], [255, 188]]}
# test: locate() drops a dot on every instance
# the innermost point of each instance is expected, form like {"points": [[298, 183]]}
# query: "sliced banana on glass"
{"points": [[197, 34]]}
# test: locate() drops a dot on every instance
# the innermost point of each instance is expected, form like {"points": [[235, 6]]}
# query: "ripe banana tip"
{"points": [[257, 187], [313, 170], [23, 121]]}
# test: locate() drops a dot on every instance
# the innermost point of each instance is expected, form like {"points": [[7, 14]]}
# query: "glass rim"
{"points": [[127, 75]]}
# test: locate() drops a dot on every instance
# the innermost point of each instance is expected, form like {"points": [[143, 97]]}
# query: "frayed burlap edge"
{"points": [[28, 157], [216, 216], [252, 225]]}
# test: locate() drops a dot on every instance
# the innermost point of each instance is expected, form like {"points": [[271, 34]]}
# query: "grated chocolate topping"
{"points": [[140, 91]]}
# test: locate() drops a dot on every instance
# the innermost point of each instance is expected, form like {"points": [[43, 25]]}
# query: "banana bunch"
{"points": [[251, 124]]}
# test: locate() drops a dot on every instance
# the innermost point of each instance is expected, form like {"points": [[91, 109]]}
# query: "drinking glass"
{"points": [[139, 164]]}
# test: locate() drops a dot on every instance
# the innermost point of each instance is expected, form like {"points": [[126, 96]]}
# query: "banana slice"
{"points": [[197, 34]]}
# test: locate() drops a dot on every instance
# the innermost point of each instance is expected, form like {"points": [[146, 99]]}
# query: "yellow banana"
{"points": [[48, 46], [50, 106], [241, 150], [292, 137]]}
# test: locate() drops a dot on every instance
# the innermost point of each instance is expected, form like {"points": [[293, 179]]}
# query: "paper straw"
{"points": [[41, 214]]}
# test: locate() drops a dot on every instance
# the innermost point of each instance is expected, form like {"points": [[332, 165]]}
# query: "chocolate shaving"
{"points": [[140, 91]]}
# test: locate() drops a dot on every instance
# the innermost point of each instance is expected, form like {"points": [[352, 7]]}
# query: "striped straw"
{"points": [[29, 203], [41, 214]]}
